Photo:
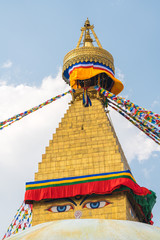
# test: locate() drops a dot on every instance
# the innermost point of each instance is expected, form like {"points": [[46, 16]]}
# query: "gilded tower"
{"points": [[84, 172]]}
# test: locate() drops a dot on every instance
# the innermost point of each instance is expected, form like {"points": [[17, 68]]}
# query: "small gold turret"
{"points": [[87, 23], [88, 40]]}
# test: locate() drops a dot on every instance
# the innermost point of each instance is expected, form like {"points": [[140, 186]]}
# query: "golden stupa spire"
{"points": [[85, 32], [84, 172]]}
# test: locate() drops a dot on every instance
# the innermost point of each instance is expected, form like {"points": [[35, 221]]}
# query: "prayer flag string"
{"points": [[146, 125], [146, 121], [140, 126], [21, 221], [19, 116]]}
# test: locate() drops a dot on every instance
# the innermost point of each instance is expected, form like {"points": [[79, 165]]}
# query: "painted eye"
{"points": [[95, 205], [63, 208]]}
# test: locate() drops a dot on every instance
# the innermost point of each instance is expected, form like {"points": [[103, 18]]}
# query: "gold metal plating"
{"points": [[85, 54]]}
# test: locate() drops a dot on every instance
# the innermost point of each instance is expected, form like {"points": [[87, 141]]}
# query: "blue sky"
{"points": [[35, 36]]}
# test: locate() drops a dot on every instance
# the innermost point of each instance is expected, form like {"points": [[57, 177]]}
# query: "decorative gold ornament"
{"points": [[88, 52], [85, 54]]}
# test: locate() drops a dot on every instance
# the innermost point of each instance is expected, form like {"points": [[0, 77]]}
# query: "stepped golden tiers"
{"points": [[84, 173]]}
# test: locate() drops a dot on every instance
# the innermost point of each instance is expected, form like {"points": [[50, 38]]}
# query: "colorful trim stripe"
{"points": [[96, 187], [88, 64], [79, 179], [103, 183]]}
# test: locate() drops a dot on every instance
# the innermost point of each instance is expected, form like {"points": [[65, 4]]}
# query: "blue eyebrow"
{"points": [[66, 199], [84, 199], [70, 200]]}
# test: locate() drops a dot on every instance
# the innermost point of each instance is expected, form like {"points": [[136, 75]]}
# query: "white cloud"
{"points": [[2, 83], [155, 103], [136, 144], [23, 143], [120, 75], [7, 64], [147, 172]]}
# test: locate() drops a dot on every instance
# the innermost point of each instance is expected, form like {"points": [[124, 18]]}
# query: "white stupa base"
{"points": [[89, 229]]}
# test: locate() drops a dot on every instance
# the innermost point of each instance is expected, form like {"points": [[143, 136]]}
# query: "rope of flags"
{"points": [[146, 121], [19, 116], [137, 124], [21, 221]]}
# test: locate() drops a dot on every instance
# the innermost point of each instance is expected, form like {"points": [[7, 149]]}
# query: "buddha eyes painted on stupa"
{"points": [[78, 204], [60, 208]]}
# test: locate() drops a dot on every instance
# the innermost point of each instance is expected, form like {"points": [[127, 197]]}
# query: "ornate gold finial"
{"points": [[87, 39], [86, 31], [87, 23], [86, 51], [87, 56]]}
